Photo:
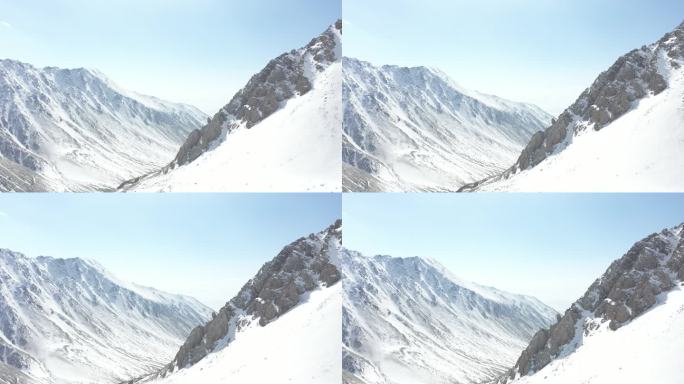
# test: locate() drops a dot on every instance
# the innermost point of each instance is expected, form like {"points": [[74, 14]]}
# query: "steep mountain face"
{"points": [[285, 121], [413, 129], [647, 277], [79, 131], [69, 321], [410, 321], [622, 133], [306, 265]]}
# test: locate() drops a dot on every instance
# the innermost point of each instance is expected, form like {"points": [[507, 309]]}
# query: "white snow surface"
{"points": [[80, 131], [70, 321], [296, 149], [419, 130], [409, 321], [647, 350], [302, 346], [642, 151]]}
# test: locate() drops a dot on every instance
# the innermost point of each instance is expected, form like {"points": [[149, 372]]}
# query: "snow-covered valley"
{"points": [[75, 130], [70, 321], [409, 321], [415, 129]]}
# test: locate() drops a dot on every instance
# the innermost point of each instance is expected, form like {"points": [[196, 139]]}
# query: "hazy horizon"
{"points": [[198, 52], [202, 245], [550, 246], [534, 51]]}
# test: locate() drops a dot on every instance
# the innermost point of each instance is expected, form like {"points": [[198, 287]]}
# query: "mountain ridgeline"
{"points": [[75, 130], [306, 264], [635, 76], [410, 320], [629, 288], [415, 129], [287, 76], [66, 320]]}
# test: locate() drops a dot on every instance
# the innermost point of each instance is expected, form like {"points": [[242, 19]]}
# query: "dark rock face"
{"points": [[284, 77], [614, 92], [627, 289], [300, 267]]}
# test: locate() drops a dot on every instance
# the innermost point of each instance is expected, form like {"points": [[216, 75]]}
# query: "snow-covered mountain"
{"points": [[70, 321], [281, 132], [408, 320], [74, 129], [282, 326], [627, 328], [624, 133], [414, 129]]}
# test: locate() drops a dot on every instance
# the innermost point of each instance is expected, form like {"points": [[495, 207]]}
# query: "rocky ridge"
{"points": [[616, 91], [300, 267], [626, 290]]}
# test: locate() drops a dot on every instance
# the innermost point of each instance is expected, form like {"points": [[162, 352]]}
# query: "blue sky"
{"points": [[552, 246], [195, 51], [204, 245], [541, 51]]}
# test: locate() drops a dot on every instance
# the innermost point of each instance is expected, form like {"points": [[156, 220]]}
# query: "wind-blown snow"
{"points": [[302, 347], [647, 350], [295, 149]]}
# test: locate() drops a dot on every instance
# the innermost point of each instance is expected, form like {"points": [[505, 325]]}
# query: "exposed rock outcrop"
{"points": [[284, 77], [632, 77], [300, 267], [627, 289]]}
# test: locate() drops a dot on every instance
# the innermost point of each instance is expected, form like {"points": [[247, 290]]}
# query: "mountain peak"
{"points": [[307, 264], [629, 287]]}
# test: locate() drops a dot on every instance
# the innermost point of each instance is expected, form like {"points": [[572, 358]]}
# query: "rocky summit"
{"points": [[627, 289], [300, 267], [284, 77]]}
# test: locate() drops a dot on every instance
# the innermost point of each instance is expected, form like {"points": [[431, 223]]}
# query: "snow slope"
{"points": [[283, 325], [295, 149], [413, 129], [79, 131], [647, 350], [70, 321], [281, 132], [301, 347], [625, 133], [409, 321], [626, 328]]}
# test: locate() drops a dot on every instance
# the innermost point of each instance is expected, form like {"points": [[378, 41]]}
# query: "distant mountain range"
{"points": [[75, 130], [415, 129], [70, 321], [409, 320]]}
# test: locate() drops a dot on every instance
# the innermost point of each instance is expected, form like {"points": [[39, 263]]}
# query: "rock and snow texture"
{"points": [[70, 321], [624, 133], [414, 129], [302, 347], [627, 328], [75, 130], [299, 283], [409, 321], [281, 132]]}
